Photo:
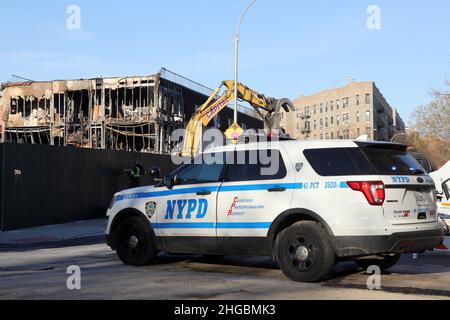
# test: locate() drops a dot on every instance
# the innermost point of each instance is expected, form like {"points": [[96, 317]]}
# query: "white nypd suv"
{"points": [[308, 204]]}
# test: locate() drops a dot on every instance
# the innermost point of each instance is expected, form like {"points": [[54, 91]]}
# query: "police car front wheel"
{"points": [[304, 252], [135, 242]]}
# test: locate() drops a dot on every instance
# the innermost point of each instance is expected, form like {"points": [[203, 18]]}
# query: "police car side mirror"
{"points": [[168, 182], [155, 172]]}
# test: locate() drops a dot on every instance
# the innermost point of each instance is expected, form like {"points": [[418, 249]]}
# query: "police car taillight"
{"points": [[372, 190]]}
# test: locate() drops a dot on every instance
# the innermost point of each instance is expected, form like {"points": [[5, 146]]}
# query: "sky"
{"points": [[288, 48]]}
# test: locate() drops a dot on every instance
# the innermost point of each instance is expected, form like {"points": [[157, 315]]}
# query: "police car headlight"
{"points": [[113, 202]]}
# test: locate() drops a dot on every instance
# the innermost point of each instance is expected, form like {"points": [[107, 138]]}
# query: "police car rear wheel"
{"points": [[304, 252], [384, 263], [135, 242]]}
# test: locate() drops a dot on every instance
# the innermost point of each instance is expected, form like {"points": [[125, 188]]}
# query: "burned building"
{"points": [[129, 113]]}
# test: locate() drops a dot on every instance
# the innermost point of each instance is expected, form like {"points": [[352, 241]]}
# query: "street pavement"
{"points": [[42, 274], [73, 233]]}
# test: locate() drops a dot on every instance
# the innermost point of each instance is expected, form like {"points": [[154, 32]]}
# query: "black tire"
{"points": [[384, 263], [135, 245], [304, 252]]}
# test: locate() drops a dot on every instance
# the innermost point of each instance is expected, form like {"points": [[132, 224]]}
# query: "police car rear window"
{"points": [[393, 162], [338, 162]]}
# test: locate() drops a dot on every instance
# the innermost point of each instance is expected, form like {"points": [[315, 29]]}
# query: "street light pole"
{"points": [[236, 61]]}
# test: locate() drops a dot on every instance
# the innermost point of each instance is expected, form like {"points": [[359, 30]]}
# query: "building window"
{"points": [[314, 109], [368, 116], [357, 99], [332, 135], [326, 122], [358, 132], [337, 135], [315, 124], [321, 108], [337, 120], [345, 118], [357, 116], [331, 120], [367, 98], [344, 103], [321, 123], [337, 104], [346, 134], [331, 105], [326, 107]]}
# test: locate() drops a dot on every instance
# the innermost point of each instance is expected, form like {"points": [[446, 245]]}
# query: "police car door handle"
{"points": [[278, 189], [203, 193]]}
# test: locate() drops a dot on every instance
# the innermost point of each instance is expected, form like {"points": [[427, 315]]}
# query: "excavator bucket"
{"points": [[272, 119], [286, 104]]}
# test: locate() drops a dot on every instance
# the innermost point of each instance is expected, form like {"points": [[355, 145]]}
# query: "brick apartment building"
{"points": [[348, 112]]}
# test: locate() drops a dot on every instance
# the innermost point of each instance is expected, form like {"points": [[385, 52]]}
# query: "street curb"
{"points": [[401, 290], [97, 239]]}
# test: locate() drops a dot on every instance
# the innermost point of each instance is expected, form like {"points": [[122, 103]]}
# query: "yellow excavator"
{"points": [[267, 108]]}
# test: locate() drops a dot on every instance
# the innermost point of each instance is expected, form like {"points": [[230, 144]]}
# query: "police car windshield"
{"points": [[201, 170], [392, 162]]}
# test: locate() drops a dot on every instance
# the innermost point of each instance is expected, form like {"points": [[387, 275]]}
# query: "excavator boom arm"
{"points": [[213, 106]]}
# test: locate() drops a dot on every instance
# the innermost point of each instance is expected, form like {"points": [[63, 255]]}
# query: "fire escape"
{"points": [[306, 130]]}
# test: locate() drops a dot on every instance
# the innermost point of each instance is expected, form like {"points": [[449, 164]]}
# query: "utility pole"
{"points": [[236, 60]]}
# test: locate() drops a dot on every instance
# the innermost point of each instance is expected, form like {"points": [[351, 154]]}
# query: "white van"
{"points": [[441, 178], [322, 201]]}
